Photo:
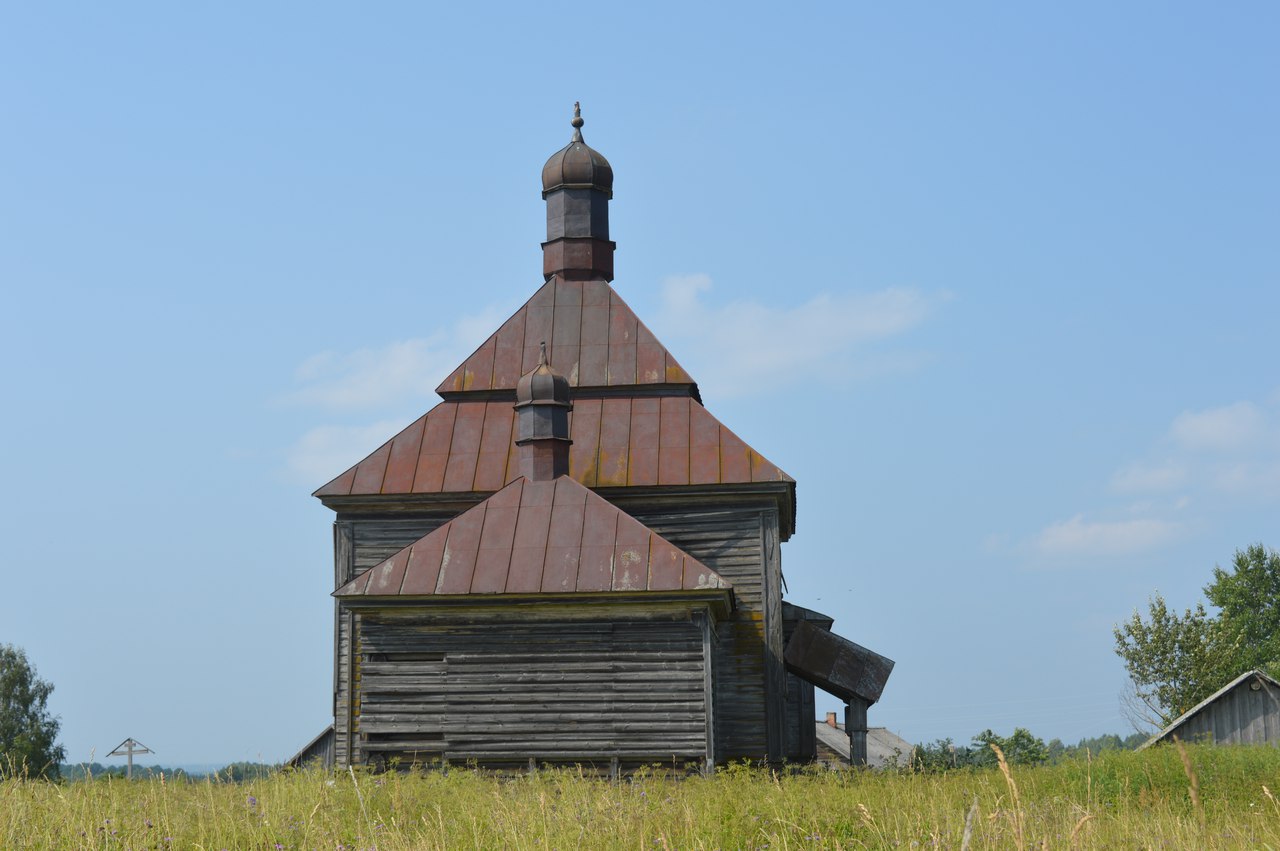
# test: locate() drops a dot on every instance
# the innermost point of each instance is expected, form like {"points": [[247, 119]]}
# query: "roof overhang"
{"points": [[836, 664]]}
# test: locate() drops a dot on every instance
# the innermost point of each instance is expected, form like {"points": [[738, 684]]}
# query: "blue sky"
{"points": [[1002, 281]]}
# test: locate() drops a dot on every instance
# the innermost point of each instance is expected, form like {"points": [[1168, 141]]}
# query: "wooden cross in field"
{"points": [[128, 748]]}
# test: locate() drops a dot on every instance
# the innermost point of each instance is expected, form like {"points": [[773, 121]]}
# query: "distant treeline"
{"points": [[1019, 748], [235, 772]]}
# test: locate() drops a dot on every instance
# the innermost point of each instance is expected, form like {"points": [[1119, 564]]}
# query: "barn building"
{"points": [[1246, 711], [569, 560]]}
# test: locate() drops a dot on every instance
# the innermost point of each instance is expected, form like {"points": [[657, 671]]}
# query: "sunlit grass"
{"points": [[1121, 800]]}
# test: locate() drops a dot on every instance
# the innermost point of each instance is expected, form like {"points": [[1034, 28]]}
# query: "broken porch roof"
{"points": [[461, 447], [593, 337], [537, 537]]}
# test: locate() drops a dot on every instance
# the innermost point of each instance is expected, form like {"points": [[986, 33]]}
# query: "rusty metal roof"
{"points": [[549, 537], [461, 447], [593, 338]]}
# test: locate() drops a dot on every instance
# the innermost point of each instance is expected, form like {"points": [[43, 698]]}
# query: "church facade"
{"points": [[569, 559]]}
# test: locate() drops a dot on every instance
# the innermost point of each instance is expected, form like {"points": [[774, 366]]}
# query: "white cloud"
{"points": [[743, 346], [326, 451], [1226, 429], [400, 372], [1144, 478], [1078, 537]]}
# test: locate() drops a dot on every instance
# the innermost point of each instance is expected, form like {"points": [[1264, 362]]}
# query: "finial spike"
{"points": [[577, 121], [542, 353]]}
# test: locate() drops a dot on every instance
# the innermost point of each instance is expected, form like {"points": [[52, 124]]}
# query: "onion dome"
{"points": [[543, 385], [577, 166]]}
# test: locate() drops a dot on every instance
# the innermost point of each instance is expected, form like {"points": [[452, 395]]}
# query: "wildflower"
{"points": [[253, 802]]}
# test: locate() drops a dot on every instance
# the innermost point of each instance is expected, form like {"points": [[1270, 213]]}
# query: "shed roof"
{"points": [[537, 537], [1217, 695], [836, 664], [594, 339], [617, 442]]}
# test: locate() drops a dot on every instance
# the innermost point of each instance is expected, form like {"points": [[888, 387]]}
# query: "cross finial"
{"points": [[577, 122]]}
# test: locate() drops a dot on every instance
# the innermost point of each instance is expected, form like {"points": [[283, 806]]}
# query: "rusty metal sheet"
{"points": [[673, 440], [566, 340], [434, 458], [675, 373], [651, 357], [762, 470], [529, 547], [564, 540], [622, 342], [643, 448], [479, 367], [631, 555], [704, 446], [497, 539], [468, 429], [735, 458], [599, 534], [341, 486], [370, 471], [495, 445], [457, 566], [405, 448], [615, 443], [584, 428], [508, 353], [698, 576], [423, 573], [539, 319], [836, 664], [386, 578], [593, 359], [666, 565]]}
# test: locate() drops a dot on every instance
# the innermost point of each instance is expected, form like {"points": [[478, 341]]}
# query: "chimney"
{"points": [[577, 183], [831, 720], [542, 422]]}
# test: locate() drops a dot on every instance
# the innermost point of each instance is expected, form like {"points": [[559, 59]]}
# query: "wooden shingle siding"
{"points": [[502, 691]]}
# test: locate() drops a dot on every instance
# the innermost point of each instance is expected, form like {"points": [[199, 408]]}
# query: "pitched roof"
{"points": [[1186, 716], [594, 339], [536, 537], [617, 442], [835, 664]]}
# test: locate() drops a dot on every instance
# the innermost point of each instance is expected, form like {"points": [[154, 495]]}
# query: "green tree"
{"points": [[1019, 748], [28, 733], [1176, 660], [1249, 598]]}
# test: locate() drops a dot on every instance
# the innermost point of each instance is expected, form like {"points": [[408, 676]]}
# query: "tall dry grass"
{"points": [[1121, 800]]}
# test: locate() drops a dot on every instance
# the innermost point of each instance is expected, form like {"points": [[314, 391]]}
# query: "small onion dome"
{"points": [[542, 386], [576, 166]]}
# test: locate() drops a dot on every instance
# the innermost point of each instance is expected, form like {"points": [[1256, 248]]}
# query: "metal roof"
{"points": [[545, 537], [617, 442], [593, 338]]}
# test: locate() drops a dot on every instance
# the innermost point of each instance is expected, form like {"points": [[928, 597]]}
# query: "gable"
{"points": [[593, 338], [537, 537]]}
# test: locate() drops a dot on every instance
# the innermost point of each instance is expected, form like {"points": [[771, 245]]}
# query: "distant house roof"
{"points": [[537, 537], [883, 747], [593, 337], [617, 442], [1185, 718]]}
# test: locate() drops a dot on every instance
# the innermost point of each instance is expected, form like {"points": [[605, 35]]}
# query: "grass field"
{"points": [[1216, 798]]}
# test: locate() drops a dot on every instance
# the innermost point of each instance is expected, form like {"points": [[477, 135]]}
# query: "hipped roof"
{"points": [[536, 537], [593, 338], [468, 446]]}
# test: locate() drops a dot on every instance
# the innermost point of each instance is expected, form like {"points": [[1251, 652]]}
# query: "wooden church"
{"points": [[569, 560]]}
